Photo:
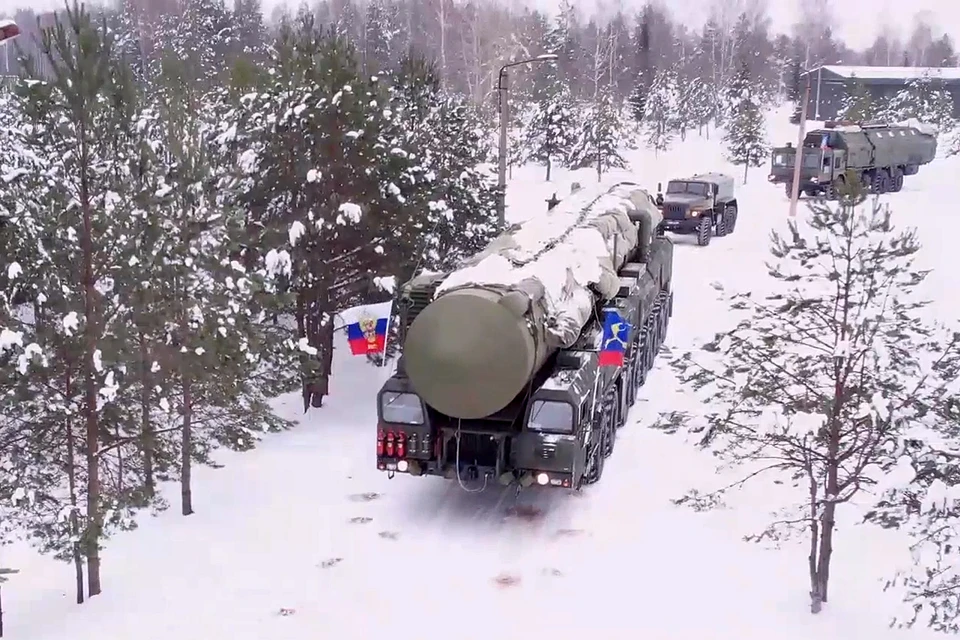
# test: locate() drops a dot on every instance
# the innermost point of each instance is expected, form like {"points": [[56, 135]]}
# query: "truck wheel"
{"points": [[704, 231], [641, 362], [613, 421], [897, 181], [651, 346], [886, 184], [788, 189], [881, 181], [730, 214], [596, 459], [654, 332]]}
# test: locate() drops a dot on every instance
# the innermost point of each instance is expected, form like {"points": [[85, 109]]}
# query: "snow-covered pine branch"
{"points": [[661, 112], [744, 127], [600, 136], [830, 374]]}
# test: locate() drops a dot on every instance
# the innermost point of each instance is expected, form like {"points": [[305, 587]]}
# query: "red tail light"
{"points": [[389, 449], [401, 445], [380, 437]]}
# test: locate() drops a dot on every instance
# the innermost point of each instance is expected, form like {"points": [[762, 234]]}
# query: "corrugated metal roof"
{"points": [[891, 73]]}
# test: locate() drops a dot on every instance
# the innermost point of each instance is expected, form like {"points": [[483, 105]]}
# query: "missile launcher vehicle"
{"points": [[704, 205], [501, 378], [876, 155]]}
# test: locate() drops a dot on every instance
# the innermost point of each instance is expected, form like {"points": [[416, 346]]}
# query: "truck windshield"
{"points": [[401, 408], [696, 188], [551, 415], [785, 159]]}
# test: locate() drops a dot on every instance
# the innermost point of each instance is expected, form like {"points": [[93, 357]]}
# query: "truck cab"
{"points": [[823, 164]]}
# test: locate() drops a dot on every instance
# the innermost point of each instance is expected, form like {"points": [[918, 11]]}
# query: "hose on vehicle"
{"points": [[460, 479]]}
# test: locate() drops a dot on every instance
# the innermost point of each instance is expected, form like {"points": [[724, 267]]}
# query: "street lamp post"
{"points": [[503, 108]]}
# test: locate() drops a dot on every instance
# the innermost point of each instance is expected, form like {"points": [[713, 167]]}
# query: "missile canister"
{"points": [[494, 322]]}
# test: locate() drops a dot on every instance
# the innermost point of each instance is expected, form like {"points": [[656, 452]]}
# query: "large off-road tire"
{"points": [[641, 362], [788, 189], [722, 229], [623, 402], [881, 181], [730, 218], [836, 189], [596, 458], [657, 338], [651, 342], [897, 181], [664, 318], [704, 231], [613, 420]]}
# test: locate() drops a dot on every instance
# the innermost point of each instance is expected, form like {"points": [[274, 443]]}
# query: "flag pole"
{"points": [[386, 336]]}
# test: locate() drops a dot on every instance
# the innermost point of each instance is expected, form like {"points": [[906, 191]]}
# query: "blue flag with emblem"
{"points": [[613, 345]]}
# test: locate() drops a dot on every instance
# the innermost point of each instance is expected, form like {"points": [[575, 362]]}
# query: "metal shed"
{"points": [[830, 84]]}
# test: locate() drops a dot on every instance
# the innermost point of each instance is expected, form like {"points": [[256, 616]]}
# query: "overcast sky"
{"points": [[858, 20]]}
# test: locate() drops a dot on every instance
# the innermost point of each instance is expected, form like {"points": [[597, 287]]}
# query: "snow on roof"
{"points": [[6, 23], [892, 73]]}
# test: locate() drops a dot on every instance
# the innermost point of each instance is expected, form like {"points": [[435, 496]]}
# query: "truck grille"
{"points": [[674, 211]]}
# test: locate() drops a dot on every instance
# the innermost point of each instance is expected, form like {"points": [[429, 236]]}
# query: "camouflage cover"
{"points": [[495, 321], [559, 259]]}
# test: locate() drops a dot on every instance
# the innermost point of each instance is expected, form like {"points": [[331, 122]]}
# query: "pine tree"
{"points": [[829, 372], [745, 128], [449, 147], [661, 114], [689, 105], [700, 106], [211, 317], [203, 37], [926, 100], [600, 137], [381, 36], [643, 67], [326, 185], [64, 372], [549, 130], [858, 104]]}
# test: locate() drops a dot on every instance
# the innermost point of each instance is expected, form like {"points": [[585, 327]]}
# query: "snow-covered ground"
{"points": [[306, 524]]}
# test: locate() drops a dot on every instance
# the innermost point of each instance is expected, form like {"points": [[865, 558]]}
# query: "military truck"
{"points": [[877, 155], [497, 383], [704, 205]]}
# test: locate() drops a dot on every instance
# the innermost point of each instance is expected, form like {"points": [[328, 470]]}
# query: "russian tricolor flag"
{"points": [[368, 335]]}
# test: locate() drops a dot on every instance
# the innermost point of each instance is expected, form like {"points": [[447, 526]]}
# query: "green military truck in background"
{"points": [[704, 205], [876, 155]]}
